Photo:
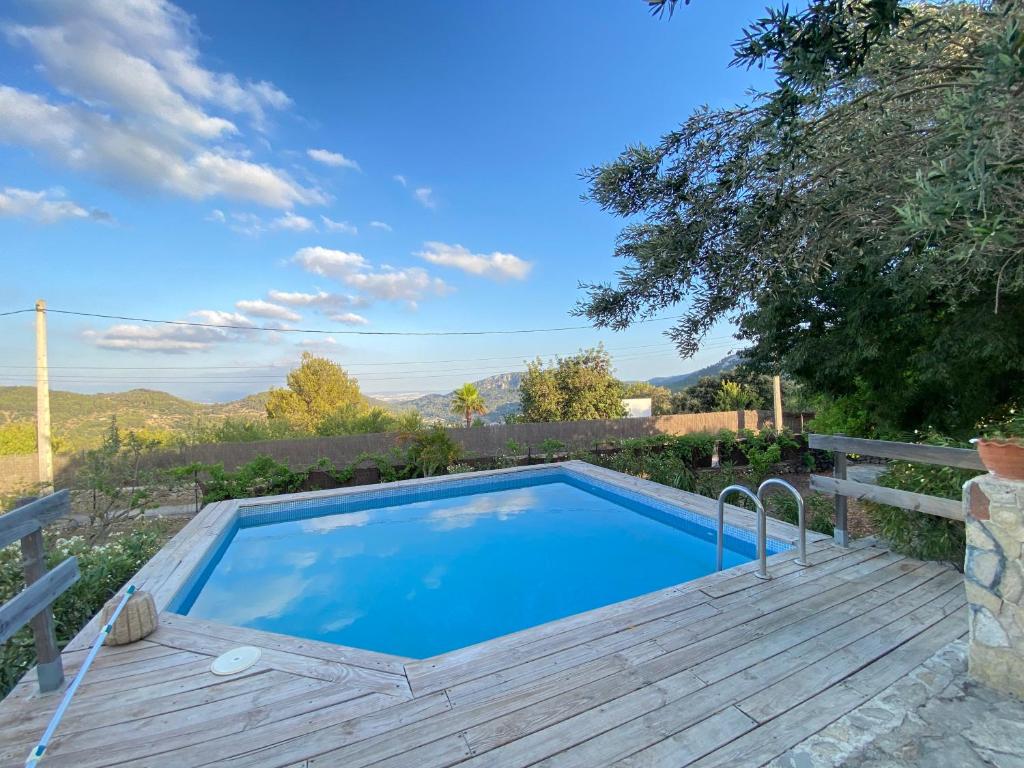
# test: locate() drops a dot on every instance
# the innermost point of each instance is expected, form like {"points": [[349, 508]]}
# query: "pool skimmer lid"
{"points": [[236, 660]]}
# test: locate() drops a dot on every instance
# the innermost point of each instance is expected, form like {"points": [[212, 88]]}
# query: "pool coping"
{"points": [[183, 557]]}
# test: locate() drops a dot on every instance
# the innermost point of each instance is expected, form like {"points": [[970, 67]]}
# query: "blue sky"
{"points": [[340, 166]]}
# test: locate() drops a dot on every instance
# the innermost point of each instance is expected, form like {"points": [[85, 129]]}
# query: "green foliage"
{"points": [[818, 511], [926, 537], [431, 451], [573, 388], [733, 396], [118, 483], [861, 222], [661, 397], [79, 420], [263, 476], [103, 569], [665, 459], [763, 450], [240, 429], [467, 401], [850, 415], [357, 420], [733, 389], [550, 448], [316, 389], [1009, 427], [18, 437]]}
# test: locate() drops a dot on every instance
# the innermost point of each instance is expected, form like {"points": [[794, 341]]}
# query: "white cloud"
{"points": [[137, 107], [409, 285], [425, 197], [293, 223], [381, 225], [218, 216], [339, 226], [401, 179], [44, 207], [247, 224], [174, 338], [261, 308], [321, 341], [318, 300], [350, 318], [328, 262], [333, 159], [496, 265], [388, 284]]}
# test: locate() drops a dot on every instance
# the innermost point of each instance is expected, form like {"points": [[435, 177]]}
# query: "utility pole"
{"points": [[43, 448], [777, 398]]}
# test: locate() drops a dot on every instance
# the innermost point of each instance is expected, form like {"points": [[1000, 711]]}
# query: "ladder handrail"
{"points": [[762, 528], [800, 513]]}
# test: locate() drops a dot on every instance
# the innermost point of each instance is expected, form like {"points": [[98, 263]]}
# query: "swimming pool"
{"points": [[416, 571]]}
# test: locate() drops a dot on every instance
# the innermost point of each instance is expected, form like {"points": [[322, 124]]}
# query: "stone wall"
{"points": [[994, 576]]}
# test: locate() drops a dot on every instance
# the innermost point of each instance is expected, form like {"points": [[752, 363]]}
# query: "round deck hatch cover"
{"points": [[236, 660]]}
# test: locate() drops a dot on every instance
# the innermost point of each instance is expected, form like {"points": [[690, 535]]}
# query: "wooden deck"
{"points": [[726, 670]]}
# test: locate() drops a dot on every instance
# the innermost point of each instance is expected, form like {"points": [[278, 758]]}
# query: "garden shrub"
{"points": [[926, 537], [818, 511], [104, 569], [430, 451]]}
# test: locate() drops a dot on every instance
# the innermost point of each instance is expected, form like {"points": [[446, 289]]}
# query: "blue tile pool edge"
{"points": [[264, 513]]}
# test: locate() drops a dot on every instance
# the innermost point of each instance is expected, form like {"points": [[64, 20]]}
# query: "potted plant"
{"points": [[1001, 447]]}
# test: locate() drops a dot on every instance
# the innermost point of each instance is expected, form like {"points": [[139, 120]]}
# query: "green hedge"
{"points": [[104, 569]]}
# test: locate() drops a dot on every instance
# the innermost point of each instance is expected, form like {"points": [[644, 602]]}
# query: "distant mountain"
{"points": [[684, 380], [79, 420], [500, 393]]}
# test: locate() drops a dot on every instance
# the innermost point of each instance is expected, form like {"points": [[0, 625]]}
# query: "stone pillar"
{"points": [[994, 576]]}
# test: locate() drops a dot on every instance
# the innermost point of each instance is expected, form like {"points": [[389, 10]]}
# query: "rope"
{"points": [[37, 753]]}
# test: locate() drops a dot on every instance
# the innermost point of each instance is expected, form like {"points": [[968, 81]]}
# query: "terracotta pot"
{"points": [[1004, 458]]}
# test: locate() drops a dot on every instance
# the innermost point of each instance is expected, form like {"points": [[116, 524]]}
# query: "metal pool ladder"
{"points": [[762, 522]]}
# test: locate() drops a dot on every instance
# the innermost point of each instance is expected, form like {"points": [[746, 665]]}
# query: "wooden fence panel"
{"points": [[918, 502], [964, 458]]}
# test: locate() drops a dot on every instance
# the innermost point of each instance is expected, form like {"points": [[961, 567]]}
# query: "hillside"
{"points": [[79, 420], [500, 392], [684, 380]]}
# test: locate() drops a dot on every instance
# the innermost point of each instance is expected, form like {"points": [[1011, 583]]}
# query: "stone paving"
{"points": [[932, 718]]}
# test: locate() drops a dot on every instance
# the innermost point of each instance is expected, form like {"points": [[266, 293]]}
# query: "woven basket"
{"points": [[137, 620]]}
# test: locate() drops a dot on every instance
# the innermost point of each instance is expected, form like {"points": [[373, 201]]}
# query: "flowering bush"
{"points": [[104, 568]]}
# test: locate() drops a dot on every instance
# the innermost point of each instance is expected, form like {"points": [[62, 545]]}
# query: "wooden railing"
{"points": [[34, 604], [843, 488]]}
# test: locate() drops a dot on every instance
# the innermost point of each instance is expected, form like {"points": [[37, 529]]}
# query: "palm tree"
{"points": [[467, 400]]}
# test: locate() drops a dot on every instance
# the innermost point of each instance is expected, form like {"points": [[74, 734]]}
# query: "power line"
{"points": [[354, 364], [255, 378], [715, 343], [235, 327]]}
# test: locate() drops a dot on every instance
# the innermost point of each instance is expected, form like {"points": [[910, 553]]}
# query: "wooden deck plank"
{"points": [[394, 742], [80, 719], [759, 671], [691, 743], [298, 646], [359, 677], [770, 740], [330, 732], [101, 746], [236, 717], [481, 659], [724, 670]]}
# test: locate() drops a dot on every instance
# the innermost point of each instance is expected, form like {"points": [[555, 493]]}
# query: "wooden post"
{"points": [[44, 450], [840, 534], [49, 669], [777, 402]]}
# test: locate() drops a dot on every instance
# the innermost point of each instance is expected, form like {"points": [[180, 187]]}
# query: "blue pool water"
{"points": [[415, 575]]}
